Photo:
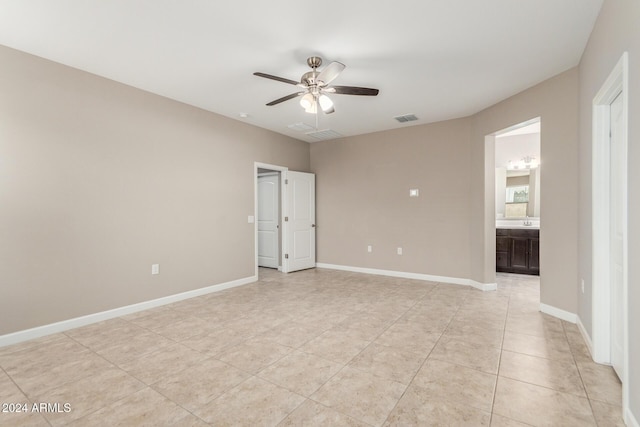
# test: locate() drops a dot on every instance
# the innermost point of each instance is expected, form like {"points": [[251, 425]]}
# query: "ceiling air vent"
{"points": [[300, 127], [323, 135], [406, 118]]}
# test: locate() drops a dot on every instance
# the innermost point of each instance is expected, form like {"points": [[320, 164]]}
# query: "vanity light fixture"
{"points": [[527, 162]]}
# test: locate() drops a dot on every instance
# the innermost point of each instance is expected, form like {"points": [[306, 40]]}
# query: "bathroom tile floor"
{"points": [[319, 347]]}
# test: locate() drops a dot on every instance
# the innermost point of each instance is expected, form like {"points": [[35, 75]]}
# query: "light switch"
{"points": [[155, 268], [251, 219], [399, 251], [414, 192]]}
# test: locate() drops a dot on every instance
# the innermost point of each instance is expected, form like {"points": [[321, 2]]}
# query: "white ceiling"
{"points": [[437, 59]]}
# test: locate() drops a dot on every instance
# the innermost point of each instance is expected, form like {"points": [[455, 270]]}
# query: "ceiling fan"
{"points": [[316, 87]]}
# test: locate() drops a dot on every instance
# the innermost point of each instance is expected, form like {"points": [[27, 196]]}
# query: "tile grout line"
{"points": [[423, 362], [367, 346], [116, 366], [256, 375], [23, 393], [584, 386], [495, 387], [149, 386], [291, 391]]}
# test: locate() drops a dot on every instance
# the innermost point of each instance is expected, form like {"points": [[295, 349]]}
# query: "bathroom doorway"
{"points": [[517, 198]]}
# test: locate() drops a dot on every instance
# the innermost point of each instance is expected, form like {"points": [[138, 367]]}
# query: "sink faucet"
{"points": [[527, 221]]}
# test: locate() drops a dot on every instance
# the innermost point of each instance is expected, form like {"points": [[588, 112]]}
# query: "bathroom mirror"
{"points": [[517, 194]]}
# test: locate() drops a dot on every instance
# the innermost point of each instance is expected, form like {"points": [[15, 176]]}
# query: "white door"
{"points": [[300, 221], [616, 233], [268, 215]]}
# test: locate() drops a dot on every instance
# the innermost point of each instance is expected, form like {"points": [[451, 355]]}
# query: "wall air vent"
{"points": [[406, 118], [300, 127], [324, 135]]}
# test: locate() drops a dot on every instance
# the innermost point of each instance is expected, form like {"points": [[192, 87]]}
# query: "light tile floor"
{"points": [[320, 347]]}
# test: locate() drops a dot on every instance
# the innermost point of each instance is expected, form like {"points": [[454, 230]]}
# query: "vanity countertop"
{"points": [[518, 224]]}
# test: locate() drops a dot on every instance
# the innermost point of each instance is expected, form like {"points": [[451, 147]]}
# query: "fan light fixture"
{"points": [[316, 84], [310, 103], [307, 102], [325, 103]]}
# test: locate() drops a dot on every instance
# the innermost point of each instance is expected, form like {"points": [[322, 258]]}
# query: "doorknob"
{"points": [[313, 225]]}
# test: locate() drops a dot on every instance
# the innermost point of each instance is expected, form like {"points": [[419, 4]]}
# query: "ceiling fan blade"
{"points": [[330, 72], [285, 98], [352, 90], [280, 79]]}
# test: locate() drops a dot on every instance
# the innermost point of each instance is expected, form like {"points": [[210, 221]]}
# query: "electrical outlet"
{"points": [[369, 248], [155, 268], [582, 285], [251, 219], [414, 192], [399, 251]]}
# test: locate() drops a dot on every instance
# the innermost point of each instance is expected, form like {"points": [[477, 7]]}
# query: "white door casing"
{"points": [[616, 234], [608, 164], [268, 220], [300, 221]]}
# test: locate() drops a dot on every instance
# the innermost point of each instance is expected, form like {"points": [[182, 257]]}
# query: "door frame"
{"points": [[617, 84], [490, 194], [283, 203]]}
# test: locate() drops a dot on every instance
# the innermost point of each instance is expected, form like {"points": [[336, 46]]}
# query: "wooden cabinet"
{"points": [[518, 251]]}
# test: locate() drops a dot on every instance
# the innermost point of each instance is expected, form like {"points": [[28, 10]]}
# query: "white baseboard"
{"points": [[483, 286], [406, 275], [585, 335], [65, 325], [630, 419], [560, 314]]}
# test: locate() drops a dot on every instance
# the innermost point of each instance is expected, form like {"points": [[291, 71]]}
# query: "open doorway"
{"points": [[268, 219], [269, 207], [517, 198]]}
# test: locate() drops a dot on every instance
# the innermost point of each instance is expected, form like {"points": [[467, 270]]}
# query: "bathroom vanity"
{"points": [[518, 248]]}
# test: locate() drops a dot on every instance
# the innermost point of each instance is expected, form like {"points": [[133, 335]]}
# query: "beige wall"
{"points": [[99, 180], [616, 30], [362, 192], [555, 101]]}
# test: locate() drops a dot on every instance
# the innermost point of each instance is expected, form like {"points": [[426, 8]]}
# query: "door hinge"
{"points": [[286, 181], [286, 256], [286, 219]]}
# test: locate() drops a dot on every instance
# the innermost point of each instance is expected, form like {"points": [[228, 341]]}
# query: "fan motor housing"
{"points": [[308, 78], [314, 62]]}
